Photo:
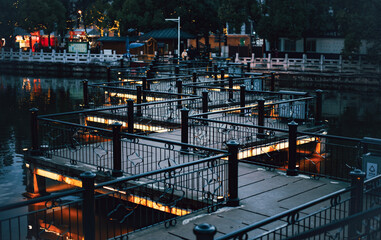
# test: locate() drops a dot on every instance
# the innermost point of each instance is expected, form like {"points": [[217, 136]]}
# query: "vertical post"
{"points": [[233, 199], [230, 89], [117, 150], [138, 100], [222, 77], [272, 82], [184, 128], [261, 117], [34, 130], [242, 98], [194, 81], [205, 102], [85, 94], [292, 137], [35, 184], [356, 200], [121, 62], [88, 211], [248, 67], [177, 70], [130, 116], [204, 231], [319, 106], [108, 74], [179, 85], [144, 81], [215, 71]]}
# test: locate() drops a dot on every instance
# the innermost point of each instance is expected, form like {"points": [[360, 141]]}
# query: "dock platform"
{"points": [[262, 194]]}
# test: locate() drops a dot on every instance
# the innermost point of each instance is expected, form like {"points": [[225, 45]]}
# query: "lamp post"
{"points": [[178, 34]]}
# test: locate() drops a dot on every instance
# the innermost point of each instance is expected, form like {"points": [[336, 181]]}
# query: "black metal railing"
{"points": [[119, 207], [341, 215]]}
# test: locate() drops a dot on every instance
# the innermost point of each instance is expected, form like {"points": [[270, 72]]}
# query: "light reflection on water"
{"points": [[17, 96]]}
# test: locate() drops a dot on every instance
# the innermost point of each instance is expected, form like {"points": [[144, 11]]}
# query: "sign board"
{"points": [[80, 47], [370, 164], [254, 84], [296, 110]]}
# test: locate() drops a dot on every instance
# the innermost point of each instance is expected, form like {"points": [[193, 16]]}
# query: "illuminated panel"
{"points": [[131, 198], [58, 177], [145, 128], [151, 204], [256, 151], [132, 96]]}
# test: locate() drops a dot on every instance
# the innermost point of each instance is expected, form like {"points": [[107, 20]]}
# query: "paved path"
{"points": [[262, 194]]}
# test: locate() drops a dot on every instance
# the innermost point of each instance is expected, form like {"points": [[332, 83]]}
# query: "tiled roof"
{"points": [[168, 33]]}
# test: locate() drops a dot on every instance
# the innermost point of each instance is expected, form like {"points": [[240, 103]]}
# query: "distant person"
{"points": [[184, 55], [35, 46]]}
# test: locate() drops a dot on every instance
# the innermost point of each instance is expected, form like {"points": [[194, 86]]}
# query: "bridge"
{"points": [[192, 144]]}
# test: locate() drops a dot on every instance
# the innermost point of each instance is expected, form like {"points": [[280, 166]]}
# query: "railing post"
{"points": [[248, 67], [233, 199], [272, 82], [34, 131], [205, 99], [194, 81], [138, 100], [121, 62], [85, 94], [204, 231], [117, 150], [144, 81], [184, 128], [357, 184], [88, 205], [179, 85], [261, 117], [130, 115], [292, 137], [222, 77], [319, 106], [215, 71], [242, 98], [177, 70], [356, 200], [230, 89], [108, 74]]}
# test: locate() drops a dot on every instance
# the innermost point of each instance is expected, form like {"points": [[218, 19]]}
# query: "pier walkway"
{"points": [[262, 194]]}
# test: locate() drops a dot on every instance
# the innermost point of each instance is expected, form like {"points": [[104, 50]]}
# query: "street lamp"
{"points": [[178, 34]]}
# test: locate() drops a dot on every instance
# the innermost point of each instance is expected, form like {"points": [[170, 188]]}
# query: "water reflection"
{"points": [[17, 96]]}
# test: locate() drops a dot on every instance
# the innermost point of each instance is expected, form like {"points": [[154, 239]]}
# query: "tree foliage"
{"points": [[7, 19]]}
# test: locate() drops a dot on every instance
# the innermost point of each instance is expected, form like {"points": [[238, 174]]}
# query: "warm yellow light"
{"points": [[145, 128], [256, 151], [58, 177], [151, 204]]}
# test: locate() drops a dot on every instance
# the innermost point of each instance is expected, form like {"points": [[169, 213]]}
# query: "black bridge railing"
{"points": [[351, 213], [119, 207]]}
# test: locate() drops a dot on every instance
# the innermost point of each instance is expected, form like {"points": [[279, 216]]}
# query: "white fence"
{"points": [[55, 57], [309, 65]]}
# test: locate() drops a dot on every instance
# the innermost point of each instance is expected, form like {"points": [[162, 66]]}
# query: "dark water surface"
{"points": [[17, 96], [351, 114]]}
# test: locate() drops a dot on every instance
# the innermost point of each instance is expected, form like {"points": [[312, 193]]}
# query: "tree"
{"points": [[97, 14], [359, 21], [198, 17], [140, 15], [35, 15], [234, 12], [7, 20]]}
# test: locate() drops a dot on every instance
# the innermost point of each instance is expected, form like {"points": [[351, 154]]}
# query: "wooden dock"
{"points": [[262, 194]]}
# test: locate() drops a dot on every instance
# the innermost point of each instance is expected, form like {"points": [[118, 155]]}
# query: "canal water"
{"points": [[351, 114]]}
